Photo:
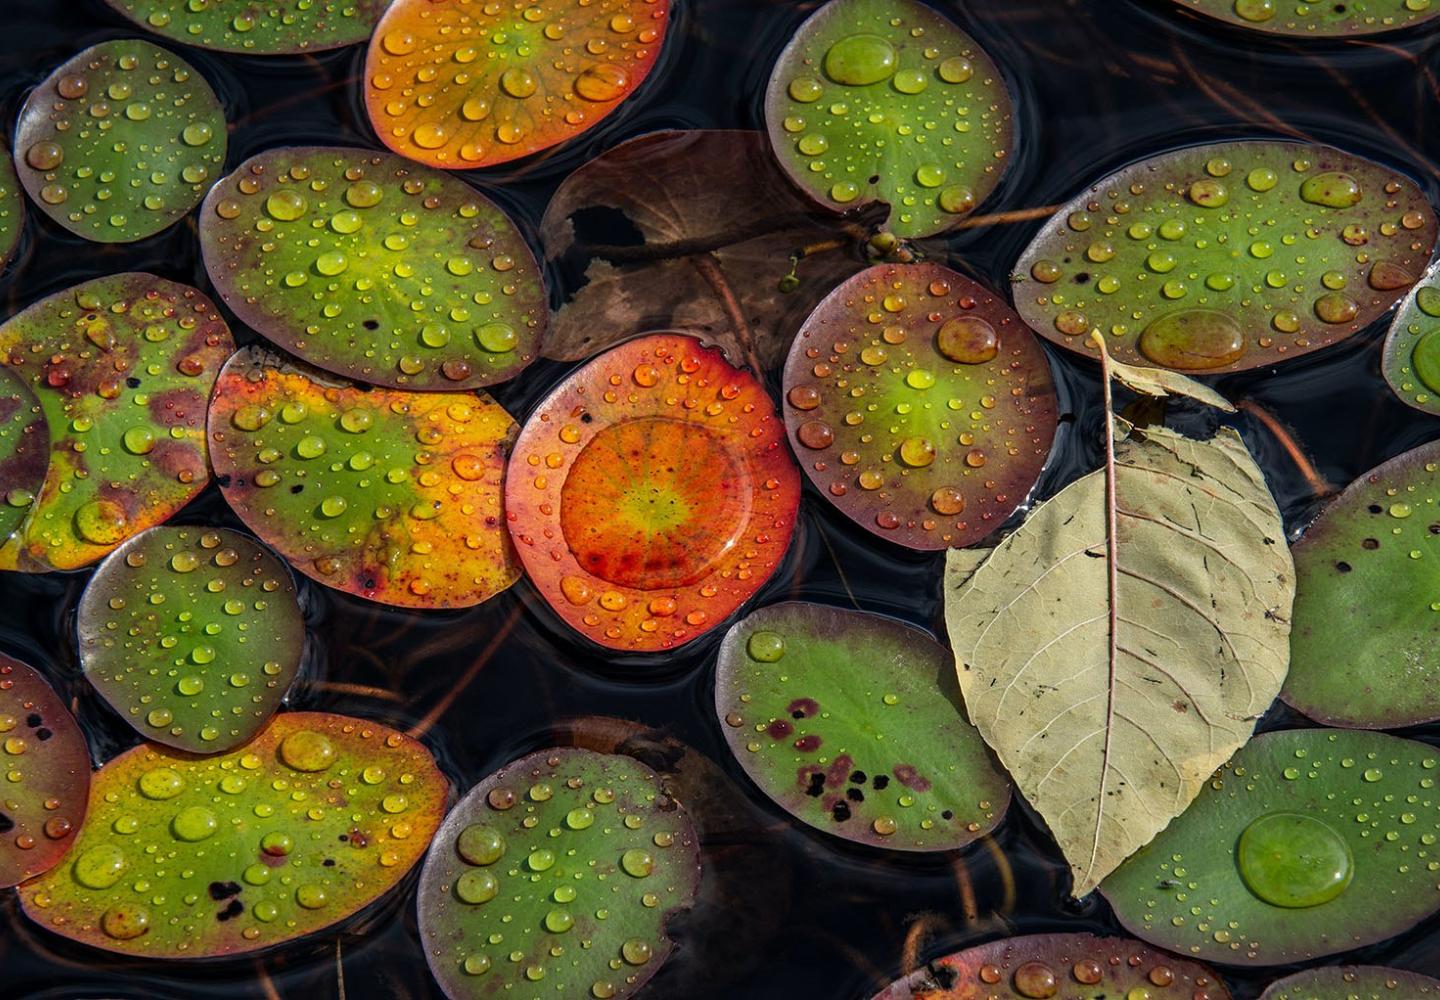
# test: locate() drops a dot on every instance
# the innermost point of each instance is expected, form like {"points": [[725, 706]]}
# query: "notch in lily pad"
{"points": [[1352, 19], [920, 405], [122, 367], [258, 27], [1367, 601], [1226, 257], [1306, 843], [374, 268], [391, 495], [1410, 359], [46, 769], [192, 634], [651, 493], [1078, 966], [557, 875], [24, 452], [120, 141], [1353, 982], [852, 723], [311, 821], [469, 84], [889, 101]]}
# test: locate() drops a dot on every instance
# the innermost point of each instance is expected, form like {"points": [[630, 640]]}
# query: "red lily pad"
{"points": [[1073, 966], [471, 83], [24, 451], [853, 723], [192, 634], [122, 367], [1227, 257], [920, 405], [1410, 360], [1353, 982], [46, 770], [651, 494], [391, 495], [199, 857], [258, 27], [1351, 19], [557, 876], [373, 267]]}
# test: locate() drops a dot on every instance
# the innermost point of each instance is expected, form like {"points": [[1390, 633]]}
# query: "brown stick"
{"points": [[362, 690], [267, 985], [1007, 874], [968, 906], [1321, 486], [714, 276], [1004, 218]]}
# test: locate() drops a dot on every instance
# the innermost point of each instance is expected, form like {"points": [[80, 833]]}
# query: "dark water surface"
{"points": [[1100, 83]]}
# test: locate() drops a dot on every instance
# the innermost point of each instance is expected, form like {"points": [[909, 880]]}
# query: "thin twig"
{"points": [[762, 225], [1004, 218], [714, 276], [1112, 574], [1007, 874], [921, 929], [1319, 485], [443, 705], [968, 906], [339, 969], [839, 570], [360, 690], [267, 985]]}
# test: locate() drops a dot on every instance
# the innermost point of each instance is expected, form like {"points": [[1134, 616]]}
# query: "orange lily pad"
{"points": [[46, 767], [651, 494], [391, 495], [473, 83]]}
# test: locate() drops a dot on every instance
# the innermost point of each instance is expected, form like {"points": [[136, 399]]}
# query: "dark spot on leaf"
{"points": [[1343, 566], [858, 777], [803, 708], [1374, 508], [841, 811], [779, 729], [808, 743], [854, 795], [222, 480], [223, 890], [133, 382], [43, 734], [7, 824], [947, 815], [33, 720], [371, 324], [880, 781], [1370, 543], [231, 912], [297, 487], [816, 786]]}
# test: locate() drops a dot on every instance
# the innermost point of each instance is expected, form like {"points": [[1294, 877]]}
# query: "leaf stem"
{"points": [[1112, 583], [1321, 486], [714, 276]]}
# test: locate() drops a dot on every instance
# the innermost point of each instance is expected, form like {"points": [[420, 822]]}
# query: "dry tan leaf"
{"points": [[1160, 382]]}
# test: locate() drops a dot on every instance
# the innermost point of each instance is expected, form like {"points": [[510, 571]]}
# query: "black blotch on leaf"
{"points": [[6, 823], [231, 912], [133, 382], [33, 720], [841, 811], [817, 785], [1343, 567], [880, 781], [223, 890]]}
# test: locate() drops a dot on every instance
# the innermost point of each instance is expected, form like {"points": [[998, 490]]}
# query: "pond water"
{"points": [[1100, 83]]}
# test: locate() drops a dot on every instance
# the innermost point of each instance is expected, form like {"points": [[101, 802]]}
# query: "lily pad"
{"points": [[24, 451], [46, 767], [1073, 966], [1353, 982], [198, 857], [122, 367], [192, 634], [12, 209], [888, 100], [120, 142], [1367, 604], [853, 723], [375, 268], [1410, 359], [257, 27], [920, 405], [471, 83], [394, 496], [651, 493], [1306, 843], [1227, 257], [1350, 19], [557, 876]]}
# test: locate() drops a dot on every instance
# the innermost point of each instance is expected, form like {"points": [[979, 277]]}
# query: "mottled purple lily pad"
{"points": [[853, 723], [1314, 19], [557, 876], [1353, 982], [1410, 359], [1227, 257], [24, 451], [919, 405], [258, 27]]}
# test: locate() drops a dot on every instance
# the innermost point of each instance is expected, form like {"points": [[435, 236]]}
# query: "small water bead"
{"points": [[286, 205], [1332, 190], [100, 867], [194, 823], [1036, 980], [479, 844], [765, 647], [476, 886]]}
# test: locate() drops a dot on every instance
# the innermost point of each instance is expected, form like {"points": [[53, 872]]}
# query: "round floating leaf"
{"points": [[887, 100], [651, 493], [24, 451], [257, 27], [1227, 257], [196, 857], [122, 367], [1353, 982], [557, 876], [375, 268], [1367, 603], [12, 208], [853, 723], [120, 142], [1308, 842], [1073, 966], [1318, 20], [46, 769], [1410, 360], [192, 634], [391, 495], [919, 405], [471, 84]]}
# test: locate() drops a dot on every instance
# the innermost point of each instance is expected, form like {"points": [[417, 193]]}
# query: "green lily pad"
{"points": [[394, 496], [1312, 19], [889, 101], [1353, 982], [853, 724], [1410, 359], [557, 876], [46, 769], [920, 405], [1366, 624], [257, 27], [1306, 843], [1226, 257], [122, 367], [1073, 966], [12, 209], [24, 451], [120, 142], [198, 857], [375, 268], [192, 634]]}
